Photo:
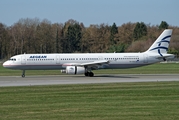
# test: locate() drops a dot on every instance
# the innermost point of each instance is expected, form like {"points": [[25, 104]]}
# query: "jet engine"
{"points": [[74, 70]]}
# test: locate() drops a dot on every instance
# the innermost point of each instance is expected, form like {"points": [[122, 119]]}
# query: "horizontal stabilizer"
{"points": [[166, 57]]}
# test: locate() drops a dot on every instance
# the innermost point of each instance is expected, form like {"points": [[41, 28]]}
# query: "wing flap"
{"points": [[95, 63]]}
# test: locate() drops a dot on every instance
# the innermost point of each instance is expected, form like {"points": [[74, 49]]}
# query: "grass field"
{"points": [[136, 101], [121, 101], [169, 68]]}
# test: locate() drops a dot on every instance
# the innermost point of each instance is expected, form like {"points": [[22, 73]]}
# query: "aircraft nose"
{"points": [[5, 64]]}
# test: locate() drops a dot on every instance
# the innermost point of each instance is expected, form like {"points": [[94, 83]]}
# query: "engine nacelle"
{"points": [[74, 70]]}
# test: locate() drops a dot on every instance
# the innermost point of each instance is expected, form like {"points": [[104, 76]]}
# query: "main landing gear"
{"points": [[23, 73], [90, 74]]}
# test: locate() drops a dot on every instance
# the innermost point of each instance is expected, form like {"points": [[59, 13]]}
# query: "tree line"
{"points": [[35, 36]]}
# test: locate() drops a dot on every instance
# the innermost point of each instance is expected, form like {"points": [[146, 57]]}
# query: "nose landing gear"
{"points": [[23, 73]]}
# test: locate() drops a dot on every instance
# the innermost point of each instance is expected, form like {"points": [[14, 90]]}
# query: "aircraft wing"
{"points": [[95, 63]]}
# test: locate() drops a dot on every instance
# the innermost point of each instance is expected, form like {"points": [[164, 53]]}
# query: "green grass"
{"points": [[169, 68], [136, 101]]}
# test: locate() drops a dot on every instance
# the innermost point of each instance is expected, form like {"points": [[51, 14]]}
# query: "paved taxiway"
{"points": [[80, 79]]}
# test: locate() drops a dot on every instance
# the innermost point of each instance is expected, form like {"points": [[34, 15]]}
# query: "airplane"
{"points": [[84, 63]]}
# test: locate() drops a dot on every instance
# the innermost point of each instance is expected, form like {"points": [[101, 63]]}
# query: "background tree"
{"points": [[113, 31], [3, 41], [140, 30], [68, 35], [74, 37], [163, 25], [57, 35], [89, 39], [35, 36], [45, 37], [174, 43], [117, 48]]}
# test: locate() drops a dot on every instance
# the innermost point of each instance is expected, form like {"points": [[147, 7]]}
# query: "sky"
{"points": [[91, 11]]}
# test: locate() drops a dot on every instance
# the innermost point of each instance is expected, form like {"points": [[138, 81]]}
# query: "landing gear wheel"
{"points": [[87, 74], [91, 74], [23, 73]]}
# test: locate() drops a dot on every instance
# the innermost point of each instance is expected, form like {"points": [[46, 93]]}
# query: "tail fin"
{"points": [[161, 45]]}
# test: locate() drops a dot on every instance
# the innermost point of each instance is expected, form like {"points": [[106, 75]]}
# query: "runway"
{"points": [[80, 79]]}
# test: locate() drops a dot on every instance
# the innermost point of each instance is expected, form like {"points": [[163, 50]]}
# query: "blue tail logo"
{"points": [[159, 47]]}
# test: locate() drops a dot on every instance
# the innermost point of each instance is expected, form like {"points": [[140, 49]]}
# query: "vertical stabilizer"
{"points": [[161, 45]]}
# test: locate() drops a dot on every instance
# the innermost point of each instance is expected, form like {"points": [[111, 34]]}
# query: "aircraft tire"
{"points": [[91, 74], [87, 74], [23, 76]]}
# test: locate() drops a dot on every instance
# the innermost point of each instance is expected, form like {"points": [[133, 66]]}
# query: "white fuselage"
{"points": [[60, 61]]}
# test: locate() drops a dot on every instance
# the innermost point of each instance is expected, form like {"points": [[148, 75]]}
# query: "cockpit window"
{"points": [[12, 59]]}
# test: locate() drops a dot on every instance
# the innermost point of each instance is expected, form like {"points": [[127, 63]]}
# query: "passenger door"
{"points": [[23, 60], [57, 59]]}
